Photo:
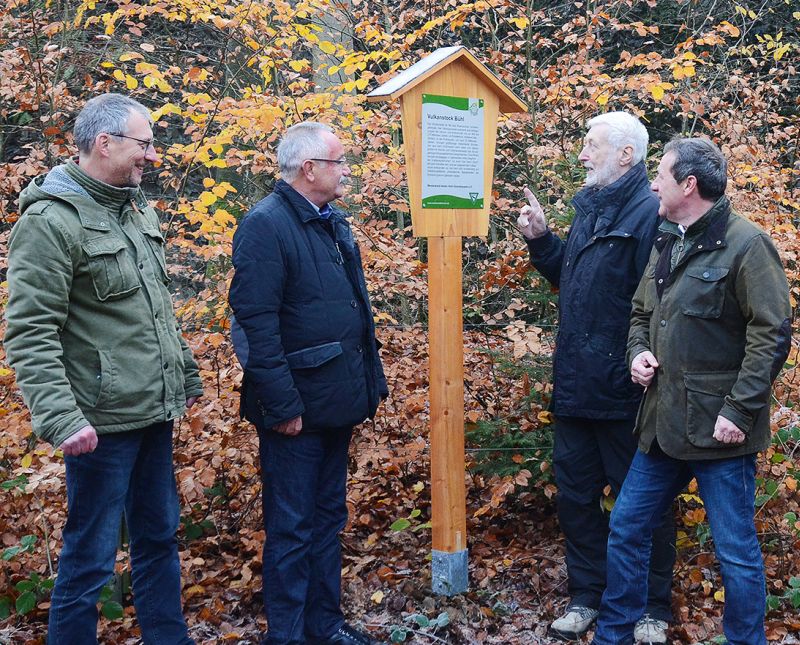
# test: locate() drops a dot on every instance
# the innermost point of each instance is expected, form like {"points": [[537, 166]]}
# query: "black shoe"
{"points": [[347, 635]]}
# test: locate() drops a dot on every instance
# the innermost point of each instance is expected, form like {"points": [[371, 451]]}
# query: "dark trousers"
{"points": [[589, 454], [304, 488]]}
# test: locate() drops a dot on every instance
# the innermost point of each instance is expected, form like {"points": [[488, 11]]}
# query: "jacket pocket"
{"points": [[705, 395], [331, 396], [704, 292], [311, 357], [155, 241], [113, 273]]}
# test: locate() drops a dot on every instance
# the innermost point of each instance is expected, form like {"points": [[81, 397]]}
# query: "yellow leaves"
{"points": [[307, 32], [377, 597], [657, 90], [195, 74], [222, 189], [728, 28], [107, 64], [208, 182], [206, 198], [327, 47], [519, 22], [27, 460], [130, 82], [359, 84], [124, 58], [602, 98], [748, 13], [194, 99], [683, 71], [719, 595], [215, 163], [298, 65], [167, 108], [545, 417]]}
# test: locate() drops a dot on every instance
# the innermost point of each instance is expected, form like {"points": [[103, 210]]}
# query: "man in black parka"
{"points": [[594, 402], [304, 334]]}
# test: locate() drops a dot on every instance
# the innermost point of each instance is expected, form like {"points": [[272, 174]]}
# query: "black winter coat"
{"points": [[597, 271], [303, 323]]}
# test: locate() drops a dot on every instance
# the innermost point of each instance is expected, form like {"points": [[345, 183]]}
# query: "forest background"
{"points": [[224, 78]]}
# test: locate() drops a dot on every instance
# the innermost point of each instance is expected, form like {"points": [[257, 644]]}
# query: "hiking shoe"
{"points": [[650, 631], [574, 623]]}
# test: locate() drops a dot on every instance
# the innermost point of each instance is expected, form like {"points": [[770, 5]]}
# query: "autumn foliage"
{"points": [[224, 78]]}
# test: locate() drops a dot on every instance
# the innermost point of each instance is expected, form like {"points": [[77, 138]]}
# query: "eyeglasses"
{"points": [[143, 143], [338, 162]]}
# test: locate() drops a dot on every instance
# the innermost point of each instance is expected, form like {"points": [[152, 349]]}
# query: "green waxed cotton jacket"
{"points": [[719, 326], [91, 331]]}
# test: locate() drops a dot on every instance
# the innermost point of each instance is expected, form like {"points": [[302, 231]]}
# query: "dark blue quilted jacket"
{"points": [[597, 270], [303, 324]]}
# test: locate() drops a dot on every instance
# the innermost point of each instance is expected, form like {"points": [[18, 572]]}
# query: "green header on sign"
{"points": [[455, 102]]}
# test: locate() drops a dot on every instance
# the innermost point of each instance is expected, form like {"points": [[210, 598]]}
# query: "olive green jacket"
{"points": [[718, 324], [90, 328]]}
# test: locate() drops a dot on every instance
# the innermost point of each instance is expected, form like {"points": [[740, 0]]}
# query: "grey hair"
{"points": [[702, 159], [623, 129], [300, 142], [105, 113]]}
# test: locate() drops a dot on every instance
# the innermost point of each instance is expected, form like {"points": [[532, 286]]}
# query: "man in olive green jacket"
{"points": [[710, 330], [103, 367]]}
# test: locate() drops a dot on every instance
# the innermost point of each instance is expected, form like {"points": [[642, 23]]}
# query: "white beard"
{"points": [[600, 177]]}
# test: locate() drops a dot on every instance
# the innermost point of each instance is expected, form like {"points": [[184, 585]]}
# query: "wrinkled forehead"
{"points": [[597, 134], [139, 126], [335, 147]]}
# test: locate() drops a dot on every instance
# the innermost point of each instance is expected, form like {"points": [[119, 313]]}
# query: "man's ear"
{"points": [[101, 142], [691, 185], [308, 169], [626, 156]]}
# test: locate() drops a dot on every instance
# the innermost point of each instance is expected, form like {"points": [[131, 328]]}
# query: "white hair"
{"points": [[300, 142], [623, 129]]}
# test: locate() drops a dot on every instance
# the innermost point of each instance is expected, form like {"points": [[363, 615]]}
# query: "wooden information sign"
{"points": [[449, 103]]}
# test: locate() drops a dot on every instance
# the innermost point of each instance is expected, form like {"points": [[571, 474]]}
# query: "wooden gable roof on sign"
{"points": [[434, 62]]}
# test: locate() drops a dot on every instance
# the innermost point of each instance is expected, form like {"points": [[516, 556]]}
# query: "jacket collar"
{"points": [[709, 230], [609, 200], [305, 211], [707, 234]]}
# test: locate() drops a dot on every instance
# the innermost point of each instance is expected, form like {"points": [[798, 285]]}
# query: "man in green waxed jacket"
{"points": [[710, 329], [103, 367]]}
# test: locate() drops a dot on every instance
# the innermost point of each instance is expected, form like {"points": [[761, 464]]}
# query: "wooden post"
{"points": [[446, 358], [452, 72]]}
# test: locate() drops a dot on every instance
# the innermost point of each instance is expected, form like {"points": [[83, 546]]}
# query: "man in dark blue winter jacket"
{"points": [[594, 401], [305, 336]]}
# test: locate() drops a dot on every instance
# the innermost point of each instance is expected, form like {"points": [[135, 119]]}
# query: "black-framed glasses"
{"points": [[338, 162], [144, 143]]}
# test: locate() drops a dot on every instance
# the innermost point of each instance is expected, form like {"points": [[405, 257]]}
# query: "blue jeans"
{"points": [[304, 496], [727, 488], [128, 472]]}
